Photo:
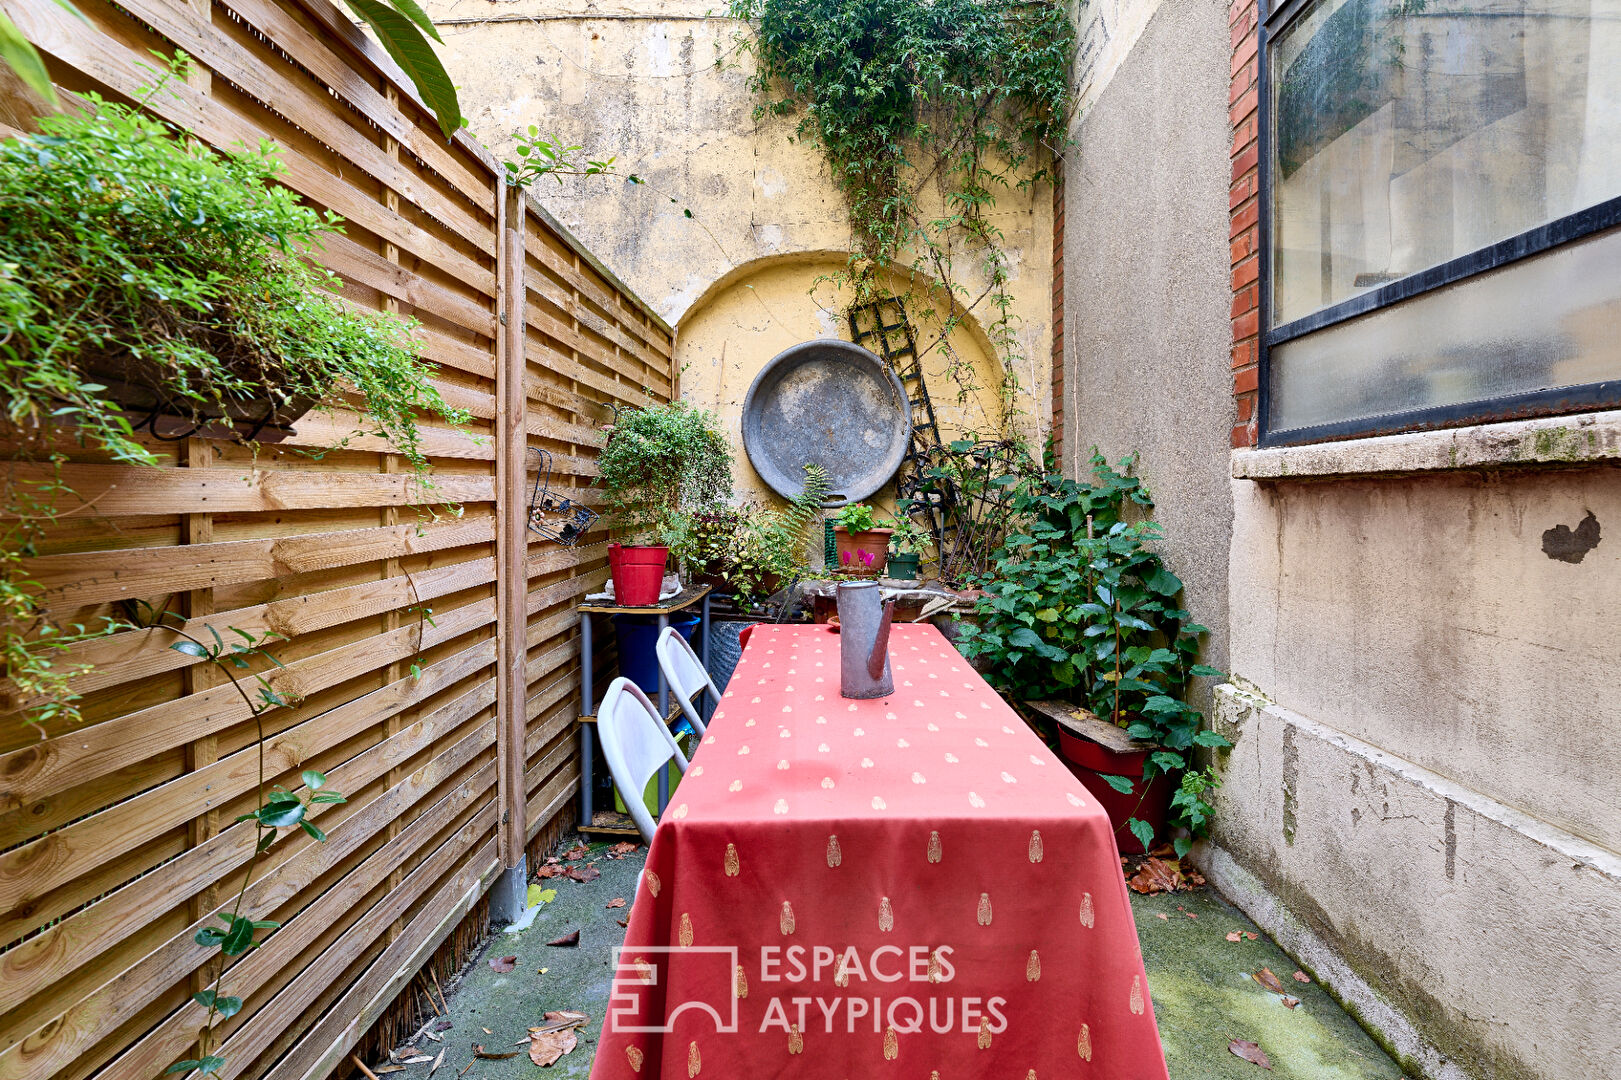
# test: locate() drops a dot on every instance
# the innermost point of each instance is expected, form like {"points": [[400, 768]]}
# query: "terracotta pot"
{"points": [[875, 542], [1090, 762]]}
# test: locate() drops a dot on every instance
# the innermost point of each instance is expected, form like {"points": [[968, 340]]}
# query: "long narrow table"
{"points": [[904, 887]]}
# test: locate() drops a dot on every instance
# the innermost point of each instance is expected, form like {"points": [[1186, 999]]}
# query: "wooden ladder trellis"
{"points": [[882, 327]]}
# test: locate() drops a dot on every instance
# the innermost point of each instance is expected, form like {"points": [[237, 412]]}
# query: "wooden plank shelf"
{"points": [[1084, 724], [611, 823], [685, 598]]}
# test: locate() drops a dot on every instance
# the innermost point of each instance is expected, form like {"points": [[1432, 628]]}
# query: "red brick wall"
{"points": [[1244, 229], [1058, 313]]}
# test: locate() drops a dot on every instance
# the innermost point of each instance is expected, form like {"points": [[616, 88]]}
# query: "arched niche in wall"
{"points": [[757, 310]]}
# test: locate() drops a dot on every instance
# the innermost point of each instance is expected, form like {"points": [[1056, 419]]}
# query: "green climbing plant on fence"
{"points": [[967, 97], [142, 272]]}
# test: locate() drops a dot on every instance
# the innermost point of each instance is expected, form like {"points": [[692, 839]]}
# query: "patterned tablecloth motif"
{"points": [[910, 887]]}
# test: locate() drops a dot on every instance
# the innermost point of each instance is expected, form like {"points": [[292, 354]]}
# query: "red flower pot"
{"points": [[638, 573], [1091, 762], [874, 543]]}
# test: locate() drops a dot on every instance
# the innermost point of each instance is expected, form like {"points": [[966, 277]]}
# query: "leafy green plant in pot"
{"points": [[147, 281], [863, 544], [908, 541], [1084, 611], [659, 462], [769, 546]]}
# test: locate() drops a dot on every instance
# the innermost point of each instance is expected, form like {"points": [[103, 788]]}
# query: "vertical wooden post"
{"points": [[507, 897]]}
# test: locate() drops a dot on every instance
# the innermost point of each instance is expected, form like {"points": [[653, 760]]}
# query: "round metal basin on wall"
{"points": [[827, 403]]}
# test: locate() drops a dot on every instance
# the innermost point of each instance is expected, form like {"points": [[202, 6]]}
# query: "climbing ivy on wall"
{"points": [[968, 97]]}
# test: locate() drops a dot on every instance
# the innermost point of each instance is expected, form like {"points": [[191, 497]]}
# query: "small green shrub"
{"points": [[856, 518], [133, 254], [662, 459], [1083, 610], [769, 546]]}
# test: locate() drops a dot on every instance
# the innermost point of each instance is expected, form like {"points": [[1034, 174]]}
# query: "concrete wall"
{"points": [[662, 85], [1145, 263], [1421, 804], [1423, 792]]}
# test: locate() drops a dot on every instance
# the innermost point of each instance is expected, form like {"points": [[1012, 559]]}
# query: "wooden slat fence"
{"points": [[116, 835]]}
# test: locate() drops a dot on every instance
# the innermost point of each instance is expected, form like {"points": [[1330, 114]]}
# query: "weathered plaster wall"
{"points": [[662, 85], [1424, 803], [1146, 328], [1421, 804], [1478, 941], [1425, 616]]}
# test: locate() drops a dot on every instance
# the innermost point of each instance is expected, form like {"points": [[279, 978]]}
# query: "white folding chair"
{"points": [[684, 674], [637, 746]]}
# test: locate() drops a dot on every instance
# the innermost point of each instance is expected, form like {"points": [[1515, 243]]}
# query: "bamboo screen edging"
{"points": [[116, 835]]}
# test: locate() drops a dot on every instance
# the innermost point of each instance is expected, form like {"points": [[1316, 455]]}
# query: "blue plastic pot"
{"points": [[637, 636]]}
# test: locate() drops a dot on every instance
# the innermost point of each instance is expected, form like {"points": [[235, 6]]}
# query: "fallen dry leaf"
{"points": [[487, 1031], [624, 847], [382, 1069], [438, 1061], [435, 1036], [1234, 935], [616, 902], [1250, 1053], [1289, 1001], [559, 1019], [567, 941], [1302, 977], [1163, 915], [503, 964], [1250, 934], [1190, 914], [550, 870], [1268, 980], [480, 1052], [546, 1048], [585, 873], [574, 854], [443, 1025], [623, 922], [1155, 876]]}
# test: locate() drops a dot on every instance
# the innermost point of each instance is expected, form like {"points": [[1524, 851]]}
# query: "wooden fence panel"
{"points": [[452, 734]]}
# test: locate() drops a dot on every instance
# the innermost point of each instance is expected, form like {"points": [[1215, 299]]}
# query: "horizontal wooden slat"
{"points": [[67, 945], [95, 577], [42, 769], [119, 490]]}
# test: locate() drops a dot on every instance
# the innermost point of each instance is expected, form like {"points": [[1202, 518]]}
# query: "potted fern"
{"points": [[660, 464], [769, 545]]}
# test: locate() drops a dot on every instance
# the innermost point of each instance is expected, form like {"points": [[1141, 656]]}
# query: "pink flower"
{"points": [[867, 558], [844, 558]]}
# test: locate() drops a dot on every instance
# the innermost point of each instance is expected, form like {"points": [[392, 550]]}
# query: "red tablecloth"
{"points": [[907, 887]]}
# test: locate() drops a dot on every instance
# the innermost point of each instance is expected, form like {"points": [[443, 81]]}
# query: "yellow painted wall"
{"points": [[639, 79], [751, 316]]}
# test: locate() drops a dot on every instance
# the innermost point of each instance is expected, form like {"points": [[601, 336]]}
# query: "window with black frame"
{"points": [[1442, 182]]}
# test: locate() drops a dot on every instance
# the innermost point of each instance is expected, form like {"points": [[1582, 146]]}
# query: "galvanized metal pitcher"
{"points": [[864, 619]]}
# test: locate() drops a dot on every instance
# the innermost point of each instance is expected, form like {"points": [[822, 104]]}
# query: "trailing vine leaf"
{"points": [[968, 97], [399, 26]]}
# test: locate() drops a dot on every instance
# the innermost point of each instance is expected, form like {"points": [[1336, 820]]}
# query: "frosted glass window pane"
{"points": [[1406, 133], [1548, 321]]}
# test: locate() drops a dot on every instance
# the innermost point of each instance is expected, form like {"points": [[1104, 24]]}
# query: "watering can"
{"points": [[864, 618]]}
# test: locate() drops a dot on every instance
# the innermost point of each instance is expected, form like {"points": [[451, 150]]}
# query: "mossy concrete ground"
{"points": [[1203, 994]]}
